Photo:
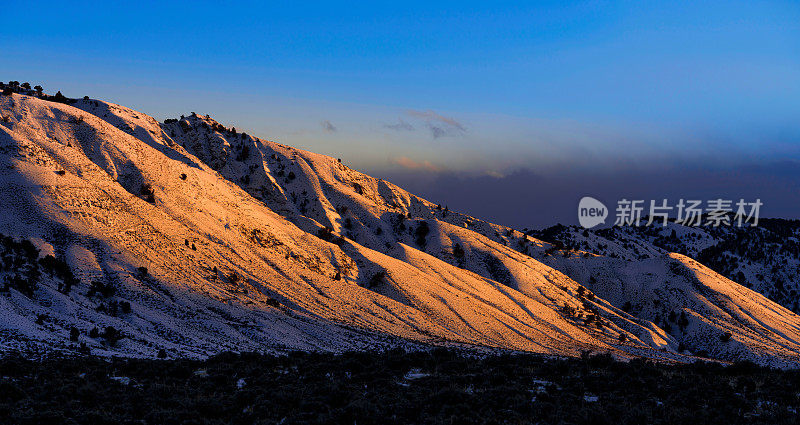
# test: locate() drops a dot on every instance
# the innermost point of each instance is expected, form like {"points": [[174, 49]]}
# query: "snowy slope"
{"points": [[765, 258], [253, 245]]}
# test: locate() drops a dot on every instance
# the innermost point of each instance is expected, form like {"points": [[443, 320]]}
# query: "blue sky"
{"points": [[473, 89]]}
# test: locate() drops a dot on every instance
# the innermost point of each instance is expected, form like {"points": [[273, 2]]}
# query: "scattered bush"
{"points": [[19, 260], [60, 98], [112, 336], [376, 279], [60, 269], [244, 153], [683, 321], [105, 290], [421, 233], [326, 234], [146, 190], [458, 252]]}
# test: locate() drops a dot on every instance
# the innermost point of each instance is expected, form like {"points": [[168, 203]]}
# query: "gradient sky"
{"points": [[591, 97]]}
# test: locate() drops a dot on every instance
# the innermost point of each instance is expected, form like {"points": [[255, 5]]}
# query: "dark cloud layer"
{"points": [[524, 198]]}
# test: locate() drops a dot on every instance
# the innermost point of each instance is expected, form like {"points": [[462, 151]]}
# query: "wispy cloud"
{"points": [[433, 116], [438, 124], [328, 126], [410, 164], [400, 126]]}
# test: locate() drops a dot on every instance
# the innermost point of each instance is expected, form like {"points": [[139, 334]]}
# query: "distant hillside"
{"points": [[765, 258]]}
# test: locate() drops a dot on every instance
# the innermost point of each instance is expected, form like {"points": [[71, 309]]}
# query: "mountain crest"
{"points": [[215, 240]]}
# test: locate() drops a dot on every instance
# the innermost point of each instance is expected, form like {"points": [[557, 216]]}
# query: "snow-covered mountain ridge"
{"points": [[186, 238], [765, 258]]}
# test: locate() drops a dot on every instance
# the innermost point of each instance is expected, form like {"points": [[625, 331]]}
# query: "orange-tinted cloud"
{"points": [[410, 164]]}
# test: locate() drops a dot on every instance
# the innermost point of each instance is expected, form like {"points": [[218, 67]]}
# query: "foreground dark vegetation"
{"points": [[391, 388]]}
